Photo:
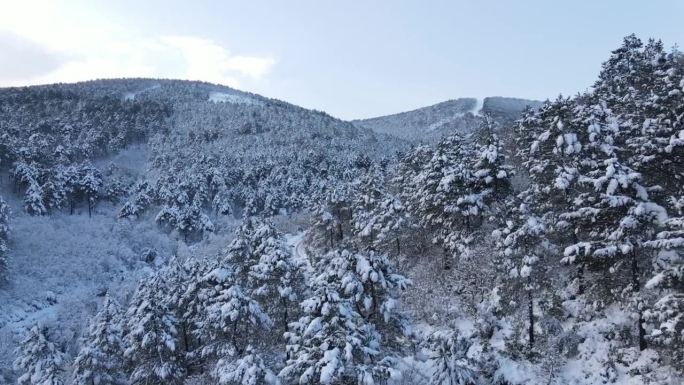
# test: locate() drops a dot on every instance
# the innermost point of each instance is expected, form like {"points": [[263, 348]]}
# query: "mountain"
{"points": [[105, 181], [172, 232], [430, 123]]}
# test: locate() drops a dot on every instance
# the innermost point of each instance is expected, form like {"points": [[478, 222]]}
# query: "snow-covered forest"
{"points": [[176, 232]]}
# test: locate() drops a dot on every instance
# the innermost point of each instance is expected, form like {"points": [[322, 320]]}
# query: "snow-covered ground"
{"points": [[223, 97], [479, 103], [60, 266], [132, 95]]}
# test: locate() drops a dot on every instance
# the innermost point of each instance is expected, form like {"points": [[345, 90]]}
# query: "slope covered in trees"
{"points": [[542, 251]]}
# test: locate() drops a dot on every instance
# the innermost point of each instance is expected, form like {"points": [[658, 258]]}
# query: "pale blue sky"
{"points": [[352, 59]]}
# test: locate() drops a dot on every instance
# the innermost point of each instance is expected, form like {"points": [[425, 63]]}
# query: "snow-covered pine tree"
{"points": [[183, 296], [377, 215], [249, 369], [436, 190], [366, 199], [142, 195], [333, 212], [89, 185], [4, 235], [54, 189], [624, 219], [33, 199], [276, 278], [666, 316], [232, 319], [191, 220], [151, 337], [523, 254], [100, 359], [39, 360], [491, 171], [346, 334], [448, 356], [390, 220]]}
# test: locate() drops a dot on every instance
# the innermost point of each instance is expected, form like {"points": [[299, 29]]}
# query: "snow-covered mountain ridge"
{"points": [[428, 124]]}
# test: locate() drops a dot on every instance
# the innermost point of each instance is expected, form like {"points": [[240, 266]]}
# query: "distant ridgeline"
{"points": [[460, 116]]}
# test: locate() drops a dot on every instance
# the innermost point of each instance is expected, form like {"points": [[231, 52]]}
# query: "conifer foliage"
{"points": [[39, 360], [101, 357]]}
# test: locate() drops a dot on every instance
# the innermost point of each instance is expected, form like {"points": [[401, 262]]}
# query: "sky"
{"points": [[351, 58]]}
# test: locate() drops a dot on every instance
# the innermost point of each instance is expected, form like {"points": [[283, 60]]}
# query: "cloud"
{"points": [[21, 58], [47, 42], [206, 60]]}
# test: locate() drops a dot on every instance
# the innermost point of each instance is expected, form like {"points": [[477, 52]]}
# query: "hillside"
{"points": [[120, 176], [428, 124], [174, 232]]}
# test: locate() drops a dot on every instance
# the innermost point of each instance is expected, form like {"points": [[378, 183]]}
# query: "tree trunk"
{"points": [[580, 279], [331, 238], [636, 287], [186, 343], [285, 313], [530, 312], [398, 246], [445, 260]]}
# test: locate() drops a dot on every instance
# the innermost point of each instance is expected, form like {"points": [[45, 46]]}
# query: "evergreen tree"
{"points": [[4, 234], [523, 249], [250, 369], [100, 359], [344, 334], [151, 338], [331, 214], [41, 362], [33, 199], [666, 316], [232, 318], [449, 359], [276, 276], [89, 185]]}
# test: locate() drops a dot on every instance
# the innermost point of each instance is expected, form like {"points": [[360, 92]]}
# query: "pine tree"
{"points": [[275, 277], [89, 185], [366, 200], [142, 196], [344, 334], [33, 199], [449, 359], [331, 214], [232, 318], [437, 191], [249, 369], [667, 314], [4, 234], [100, 360], [183, 296], [491, 170], [39, 359], [151, 338], [523, 249]]}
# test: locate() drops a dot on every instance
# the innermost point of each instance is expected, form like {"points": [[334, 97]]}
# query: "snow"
{"points": [[434, 126], [329, 370], [297, 243], [131, 95], [477, 109], [63, 262], [223, 97]]}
